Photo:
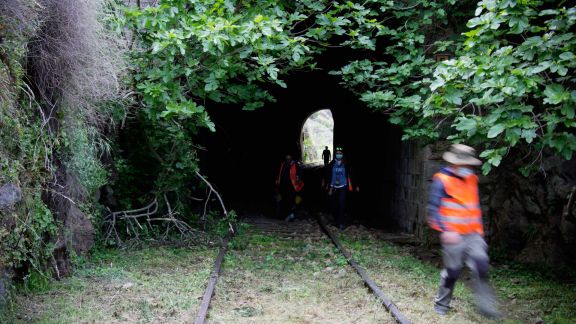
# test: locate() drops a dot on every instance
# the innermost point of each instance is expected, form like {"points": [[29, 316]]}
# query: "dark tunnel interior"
{"points": [[244, 154]]}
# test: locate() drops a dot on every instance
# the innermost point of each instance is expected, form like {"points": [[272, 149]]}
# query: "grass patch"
{"points": [[149, 285]]}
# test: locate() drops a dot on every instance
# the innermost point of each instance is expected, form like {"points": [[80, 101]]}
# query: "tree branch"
{"points": [[214, 190]]}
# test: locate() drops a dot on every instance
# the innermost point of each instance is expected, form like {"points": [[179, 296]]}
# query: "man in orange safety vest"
{"points": [[454, 211]]}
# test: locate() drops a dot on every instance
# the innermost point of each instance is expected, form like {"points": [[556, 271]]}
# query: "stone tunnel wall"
{"points": [[408, 204], [416, 166]]}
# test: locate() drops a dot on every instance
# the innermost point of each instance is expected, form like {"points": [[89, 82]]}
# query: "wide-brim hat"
{"points": [[461, 154]]}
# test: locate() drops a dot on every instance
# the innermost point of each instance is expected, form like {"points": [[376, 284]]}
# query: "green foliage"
{"points": [[397, 81], [510, 85], [192, 53], [515, 76], [222, 225], [25, 243], [36, 282], [23, 162], [82, 155]]}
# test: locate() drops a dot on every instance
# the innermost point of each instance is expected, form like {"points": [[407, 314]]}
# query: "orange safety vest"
{"points": [[460, 212], [297, 184]]}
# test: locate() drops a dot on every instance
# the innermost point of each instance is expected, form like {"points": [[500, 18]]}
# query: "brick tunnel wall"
{"points": [[416, 167]]}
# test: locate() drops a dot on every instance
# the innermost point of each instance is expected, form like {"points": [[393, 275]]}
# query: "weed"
{"points": [[36, 282]]}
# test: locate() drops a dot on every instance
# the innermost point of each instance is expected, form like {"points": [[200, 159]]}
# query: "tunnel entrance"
{"points": [[317, 134], [243, 165]]}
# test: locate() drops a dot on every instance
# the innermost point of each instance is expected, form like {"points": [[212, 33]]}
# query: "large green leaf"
{"points": [[555, 94], [453, 96], [495, 130]]}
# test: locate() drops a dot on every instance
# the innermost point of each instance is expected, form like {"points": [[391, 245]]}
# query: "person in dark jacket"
{"points": [[338, 182], [326, 155]]}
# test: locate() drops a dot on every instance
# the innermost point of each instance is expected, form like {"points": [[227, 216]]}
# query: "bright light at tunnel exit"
{"points": [[317, 133]]}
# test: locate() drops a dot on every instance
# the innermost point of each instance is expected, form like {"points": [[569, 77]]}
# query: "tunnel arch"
{"points": [[317, 132]]}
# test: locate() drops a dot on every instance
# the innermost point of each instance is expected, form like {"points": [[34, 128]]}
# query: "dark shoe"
{"points": [[486, 302], [440, 310], [490, 313], [290, 217]]}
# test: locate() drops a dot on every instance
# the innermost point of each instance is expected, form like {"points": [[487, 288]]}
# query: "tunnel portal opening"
{"points": [[317, 134]]}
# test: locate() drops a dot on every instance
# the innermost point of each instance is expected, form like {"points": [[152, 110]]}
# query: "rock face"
{"points": [[10, 194], [5, 282], [77, 233], [526, 218], [81, 230]]}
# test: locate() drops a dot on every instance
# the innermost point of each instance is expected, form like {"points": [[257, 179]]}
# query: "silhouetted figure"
{"points": [[338, 181], [289, 184], [454, 211], [326, 155]]}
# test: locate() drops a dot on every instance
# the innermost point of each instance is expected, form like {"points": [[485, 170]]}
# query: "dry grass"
{"points": [[75, 61], [160, 285], [273, 280]]}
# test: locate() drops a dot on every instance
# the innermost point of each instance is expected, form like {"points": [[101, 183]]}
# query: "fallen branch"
{"points": [[55, 266], [219, 198], [568, 208], [139, 221], [214, 190], [126, 216]]}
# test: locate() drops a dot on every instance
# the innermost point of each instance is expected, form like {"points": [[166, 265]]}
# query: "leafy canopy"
{"points": [[509, 84], [188, 53]]}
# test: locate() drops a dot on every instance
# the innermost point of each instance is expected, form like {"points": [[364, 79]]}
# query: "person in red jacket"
{"points": [[289, 184], [454, 211]]}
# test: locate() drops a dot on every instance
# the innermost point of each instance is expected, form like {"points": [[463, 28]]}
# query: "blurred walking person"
{"points": [[454, 211]]}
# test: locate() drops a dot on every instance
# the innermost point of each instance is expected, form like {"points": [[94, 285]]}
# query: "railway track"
{"points": [[313, 230]]}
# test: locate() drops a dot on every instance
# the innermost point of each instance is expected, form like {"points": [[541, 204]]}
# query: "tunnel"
{"points": [[243, 156]]}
